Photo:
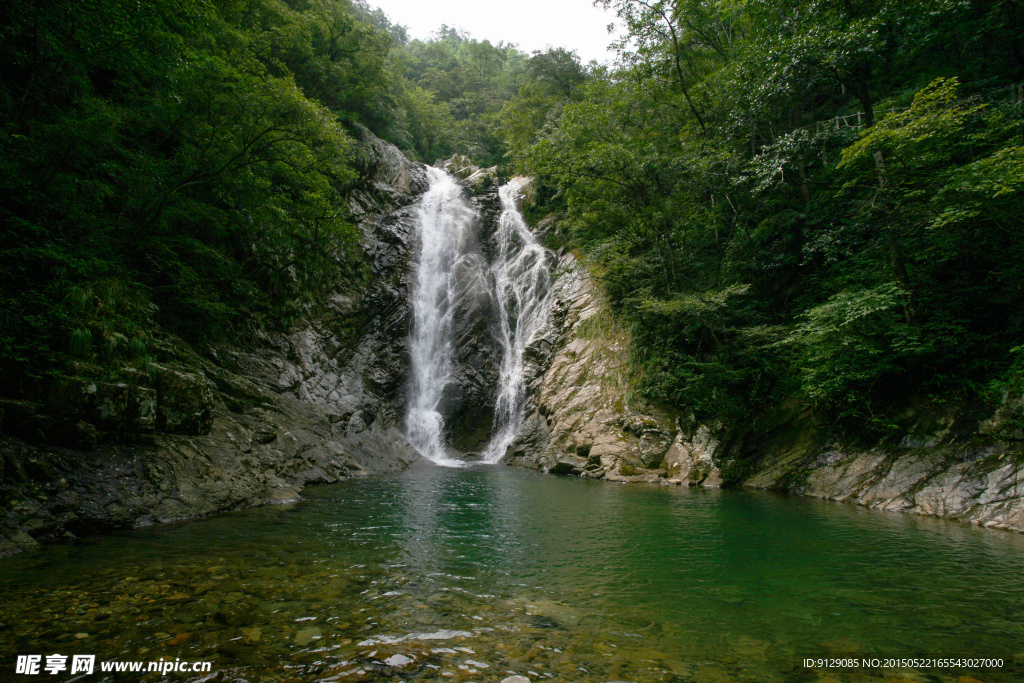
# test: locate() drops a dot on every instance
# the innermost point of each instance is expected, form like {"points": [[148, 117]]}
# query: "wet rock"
{"points": [[568, 465], [467, 404], [387, 170], [180, 639], [703, 449], [284, 494], [678, 460], [977, 481], [542, 621], [482, 179], [398, 661], [235, 617], [515, 679], [459, 166], [23, 541], [184, 402]]}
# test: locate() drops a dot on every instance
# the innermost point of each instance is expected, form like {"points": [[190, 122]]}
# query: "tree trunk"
{"points": [[805, 191], [859, 80]]}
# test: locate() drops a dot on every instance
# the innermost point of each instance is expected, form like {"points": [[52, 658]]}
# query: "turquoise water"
{"points": [[474, 574]]}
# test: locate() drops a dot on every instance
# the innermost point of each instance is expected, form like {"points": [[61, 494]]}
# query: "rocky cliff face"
{"points": [[934, 470], [214, 429], [580, 422], [578, 415]]}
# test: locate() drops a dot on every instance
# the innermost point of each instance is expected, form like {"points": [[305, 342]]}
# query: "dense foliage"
{"points": [[184, 164], [800, 198], [468, 81], [784, 198], [165, 156]]}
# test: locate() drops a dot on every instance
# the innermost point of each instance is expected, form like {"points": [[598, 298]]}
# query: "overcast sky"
{"points": [[531, 24]]}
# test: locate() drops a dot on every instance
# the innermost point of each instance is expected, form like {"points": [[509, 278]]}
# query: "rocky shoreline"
{"points": [[580, 423], [213, 429]]}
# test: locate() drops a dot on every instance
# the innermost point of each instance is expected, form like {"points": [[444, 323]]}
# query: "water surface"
{"points": [[473, 574]]}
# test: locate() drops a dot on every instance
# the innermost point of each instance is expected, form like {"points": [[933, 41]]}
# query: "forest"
{"points": [[180, 167], [800, 201], [785, 200]]}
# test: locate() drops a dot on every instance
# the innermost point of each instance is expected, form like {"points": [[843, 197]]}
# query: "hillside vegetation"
{"points": [[800, 199], [183, 166], [816, 200]]}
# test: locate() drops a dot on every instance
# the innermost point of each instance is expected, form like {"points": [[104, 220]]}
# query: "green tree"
{"points": [[726, 154], [162, 159]]}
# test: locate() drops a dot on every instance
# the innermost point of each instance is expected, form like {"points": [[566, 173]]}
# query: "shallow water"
{"points": [[474, 574]]}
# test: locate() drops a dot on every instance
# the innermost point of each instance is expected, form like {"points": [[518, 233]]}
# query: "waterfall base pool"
{"points": [[480, 573]]}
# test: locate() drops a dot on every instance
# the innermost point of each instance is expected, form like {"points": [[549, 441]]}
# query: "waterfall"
{"points": [[450, 275], [446, 224], [522, 280]]}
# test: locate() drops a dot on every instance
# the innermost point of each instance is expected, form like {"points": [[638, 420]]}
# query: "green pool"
{"points": [[480, 573]]}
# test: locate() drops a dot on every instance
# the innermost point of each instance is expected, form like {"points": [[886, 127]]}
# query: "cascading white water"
{"points": [[445, 222], [522, 278]]}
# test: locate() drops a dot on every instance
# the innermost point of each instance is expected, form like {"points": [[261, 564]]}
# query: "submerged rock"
{"points": [[307, 635], [398, 661]]}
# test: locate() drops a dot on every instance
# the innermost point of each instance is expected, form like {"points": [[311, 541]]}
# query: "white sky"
{"points": [[531, 24]]}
